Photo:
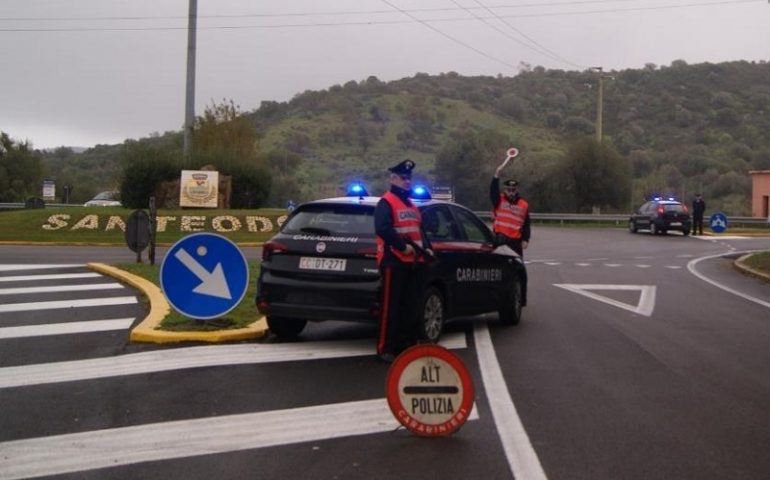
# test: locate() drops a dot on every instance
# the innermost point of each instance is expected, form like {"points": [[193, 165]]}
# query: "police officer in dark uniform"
{"points": [[400, 244], [511, 222], [698, 208]]}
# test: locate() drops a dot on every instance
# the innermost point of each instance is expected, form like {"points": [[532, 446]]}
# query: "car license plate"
{"points": [[676, 224], [317, 263]]}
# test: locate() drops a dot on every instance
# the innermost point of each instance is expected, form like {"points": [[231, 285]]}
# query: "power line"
{"points": [[445, 35], [353, 23], [382, 12]]}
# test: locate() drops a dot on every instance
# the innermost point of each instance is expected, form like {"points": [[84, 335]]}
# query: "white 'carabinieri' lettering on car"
{"points": [[479, 274], [320, 238]]}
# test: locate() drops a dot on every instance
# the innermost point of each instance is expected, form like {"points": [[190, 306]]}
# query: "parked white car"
{"points": [[105, 199]]}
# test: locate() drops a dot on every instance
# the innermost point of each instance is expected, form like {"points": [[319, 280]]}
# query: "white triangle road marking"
{"points": [[646, 298]]}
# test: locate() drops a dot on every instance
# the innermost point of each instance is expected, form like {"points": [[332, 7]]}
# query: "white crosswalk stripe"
{"points": [[66, 328]]}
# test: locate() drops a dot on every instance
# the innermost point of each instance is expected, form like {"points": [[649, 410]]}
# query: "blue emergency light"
{"points": [[357, 189], [420, 192]]}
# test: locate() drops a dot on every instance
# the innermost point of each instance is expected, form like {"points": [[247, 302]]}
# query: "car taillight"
{"points": [[660, 210], [685, 209], [367, 252], [270, 248]]}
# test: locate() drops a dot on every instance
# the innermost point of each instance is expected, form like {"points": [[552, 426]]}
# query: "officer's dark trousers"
{"points": [[401, 289], [697, 225]]}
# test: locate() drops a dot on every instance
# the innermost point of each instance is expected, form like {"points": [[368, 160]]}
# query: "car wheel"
{"points": [[654, 229], [510, 312], [632, 226], [286, 328], [686, 232], [431, 318]]}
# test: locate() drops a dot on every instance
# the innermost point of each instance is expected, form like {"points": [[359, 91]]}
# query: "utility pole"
{"points": [[189, 114], [600, 103]]}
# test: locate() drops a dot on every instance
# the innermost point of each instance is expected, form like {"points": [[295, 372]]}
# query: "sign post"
{"points": [[430, 391], [204, 276], [138, 232]]}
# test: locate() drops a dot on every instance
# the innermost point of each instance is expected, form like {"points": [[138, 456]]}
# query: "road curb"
{"points": [[740, 264], [147, 331]]}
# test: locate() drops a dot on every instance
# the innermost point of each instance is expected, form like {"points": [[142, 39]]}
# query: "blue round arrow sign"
{"points": [[204, 276]]}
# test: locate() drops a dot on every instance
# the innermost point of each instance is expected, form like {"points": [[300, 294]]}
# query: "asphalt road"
{"points": [[638, 357]]}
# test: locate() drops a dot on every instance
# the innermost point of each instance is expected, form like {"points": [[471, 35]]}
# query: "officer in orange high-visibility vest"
{"points": [[397, 224], [510, 213]]}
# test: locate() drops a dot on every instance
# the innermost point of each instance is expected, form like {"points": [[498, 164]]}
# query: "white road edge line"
{"points": [[691, 267], [53, 276], [522, 458], [77, 452], [88, 302], [61, 288], [66, 328], [27, 266], [192, 357]]}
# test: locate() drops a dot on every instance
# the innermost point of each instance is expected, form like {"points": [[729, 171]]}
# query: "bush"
{"points": [[144, 167]]}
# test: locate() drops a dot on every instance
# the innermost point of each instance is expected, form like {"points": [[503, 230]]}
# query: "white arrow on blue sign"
{"points": [[718, 222], [204, 276]]}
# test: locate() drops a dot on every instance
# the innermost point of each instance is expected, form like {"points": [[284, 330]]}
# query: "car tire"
{"points": [[632, 226], [510, 311], [431, 315], [686, 232], [654, 229], [286, 328]]}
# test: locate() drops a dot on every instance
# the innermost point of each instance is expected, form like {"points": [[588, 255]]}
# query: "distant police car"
{"points": [[322, 266], [660, 215]]}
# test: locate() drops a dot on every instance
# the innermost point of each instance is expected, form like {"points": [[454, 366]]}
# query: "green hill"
{"points": [[683, 128]]}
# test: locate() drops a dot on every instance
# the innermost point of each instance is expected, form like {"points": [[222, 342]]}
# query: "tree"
{"points": [[598, 175], [21, 170], [228, 140], [467, 162]]}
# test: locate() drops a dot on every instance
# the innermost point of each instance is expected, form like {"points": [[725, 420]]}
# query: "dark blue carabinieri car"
{"points": [[322, 266]]}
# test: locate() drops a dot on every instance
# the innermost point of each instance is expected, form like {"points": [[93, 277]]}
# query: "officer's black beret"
{"points": [[403, 168], [511, 183]]}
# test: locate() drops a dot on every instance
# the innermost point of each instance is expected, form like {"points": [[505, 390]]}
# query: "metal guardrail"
{"points": [[21, 205]]}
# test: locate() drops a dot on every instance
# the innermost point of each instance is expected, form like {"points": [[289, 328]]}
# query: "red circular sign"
{"points": [[430, 391], [512, 152]]}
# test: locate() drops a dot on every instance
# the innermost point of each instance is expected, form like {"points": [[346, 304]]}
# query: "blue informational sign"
{"points": [[204, 276], [718, 222]]}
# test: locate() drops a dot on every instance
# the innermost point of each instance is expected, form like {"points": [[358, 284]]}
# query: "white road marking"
{"points": [[552, 264], [53, 276], [77, 452], [583, 264], [521, 456], [193, 357], [61, 288], [646, 298], [673, 267], [643, 266], [691, 267], [66, 328], [88, 302], [11, 268], [613, 265]]}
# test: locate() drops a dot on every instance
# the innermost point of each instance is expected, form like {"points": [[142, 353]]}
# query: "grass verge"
{"points": [[759, 262], [241, 316]]}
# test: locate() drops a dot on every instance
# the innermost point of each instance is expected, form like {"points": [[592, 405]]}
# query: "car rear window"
{"points": [[673, 207], [332, 220]]}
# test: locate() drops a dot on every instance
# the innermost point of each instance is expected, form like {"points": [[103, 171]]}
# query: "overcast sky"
{"points": [[86, 72]]}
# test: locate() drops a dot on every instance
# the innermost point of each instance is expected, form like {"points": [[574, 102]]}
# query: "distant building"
{"points": [[760, 193]]}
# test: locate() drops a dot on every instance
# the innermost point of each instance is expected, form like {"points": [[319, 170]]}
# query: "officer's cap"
{"points": [[403, 168], [510, 183]]}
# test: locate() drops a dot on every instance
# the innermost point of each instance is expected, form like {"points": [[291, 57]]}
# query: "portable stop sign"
{"points": [[430, 391]]}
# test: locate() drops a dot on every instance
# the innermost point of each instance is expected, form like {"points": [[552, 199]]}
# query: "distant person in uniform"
{"points": [[290, 206], [698, 209], [510, 213], [397, 224]]}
